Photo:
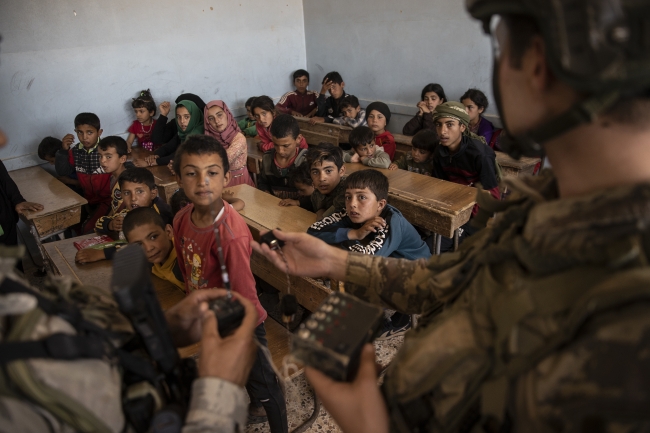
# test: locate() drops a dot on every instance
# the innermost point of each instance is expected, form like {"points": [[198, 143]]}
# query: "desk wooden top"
{"points": [[403, 139], [39, 186], [262, 212]]}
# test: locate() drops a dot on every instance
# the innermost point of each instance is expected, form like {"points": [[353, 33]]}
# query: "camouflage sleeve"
{"points": [[599, 383], [403, 285], [217, 406]]}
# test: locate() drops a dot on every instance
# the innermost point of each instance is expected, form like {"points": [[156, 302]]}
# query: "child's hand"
{"points": [[170, 166], [67, 141], [28, 206], [139, 162], [128, 148], [370, 226], [296, 114], [289, 202], [151, 159], [314, 120], [164, 108], [326, 86], [423, 108], [355, 157], [227, 195], [116, 223], [393, 167], [89, 255]]}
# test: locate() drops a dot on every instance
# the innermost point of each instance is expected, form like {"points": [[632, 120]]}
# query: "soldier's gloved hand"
{"points": [[358, 406]]}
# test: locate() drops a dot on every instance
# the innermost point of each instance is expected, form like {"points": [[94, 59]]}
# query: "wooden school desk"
{"points": [[323, 132], [61, 205], [254, 161], [61, 254], [165, 180], [263, 213], [427, 202]]}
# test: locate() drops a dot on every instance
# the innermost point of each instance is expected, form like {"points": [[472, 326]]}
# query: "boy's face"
{"points": [[326, 176], [202, 177], [109, 160], [303, 189], [336, 90], [351, 112], [362, 205], [472, 109], [249, 113], [301, 84], [155, 241], [264, 117], [432, 100], [420, 155], [88, 135], [137, 195], [367, 150], [143, 115], [286, 147], [183, 117], [50, 159], [377, 122], [450, 131]]}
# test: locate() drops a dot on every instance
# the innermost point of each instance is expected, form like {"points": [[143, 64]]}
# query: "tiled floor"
{"points": [[300, 403]]}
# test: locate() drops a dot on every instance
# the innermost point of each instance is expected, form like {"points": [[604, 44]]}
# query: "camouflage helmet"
{"points": [[600, 48]]}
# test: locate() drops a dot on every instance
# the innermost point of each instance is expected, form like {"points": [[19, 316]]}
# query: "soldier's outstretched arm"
{"points": [[403, 285]]}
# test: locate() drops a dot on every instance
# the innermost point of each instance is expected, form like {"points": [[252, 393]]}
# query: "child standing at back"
{"points": [[264, 111], [420, 158], [83, 158], [201, 167], [378, 116], [301, 102], [141, 128]]}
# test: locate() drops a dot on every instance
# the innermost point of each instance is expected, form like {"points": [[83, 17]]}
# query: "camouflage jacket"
{"points": [[540, 323]]}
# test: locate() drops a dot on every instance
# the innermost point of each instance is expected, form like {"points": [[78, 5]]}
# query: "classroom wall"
{"points": [[60, 58], [388, 50]]}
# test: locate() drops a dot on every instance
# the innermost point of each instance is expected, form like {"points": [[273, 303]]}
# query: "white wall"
{"points": [[60, 58], [389, 50]]}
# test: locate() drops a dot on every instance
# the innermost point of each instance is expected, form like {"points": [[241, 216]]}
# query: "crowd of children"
{"points": [[206, 149]]}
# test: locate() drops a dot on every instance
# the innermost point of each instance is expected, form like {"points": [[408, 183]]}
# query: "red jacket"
{"points": [[303, 103], [387, 141], [95, 184]]}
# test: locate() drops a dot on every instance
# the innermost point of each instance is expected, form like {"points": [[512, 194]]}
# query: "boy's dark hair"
{"points": [[300, 175], [300, 73], [249, 101], [334, 77], [325, 152], [426, 140], [145, 100], [349, 101], [48, 147], [477, 97], [116, 142], [434, 87], [374, 180], [178, 201], [90, 119], [200, 145], [263, 102], [360, 136], [139, 217], [137, 175], [285, 125]]}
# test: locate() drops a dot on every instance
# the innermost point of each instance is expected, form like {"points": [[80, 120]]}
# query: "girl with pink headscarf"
{"points": [[220, 124]]}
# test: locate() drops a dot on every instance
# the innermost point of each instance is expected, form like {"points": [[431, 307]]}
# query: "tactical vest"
{"points": [[508, 304]]}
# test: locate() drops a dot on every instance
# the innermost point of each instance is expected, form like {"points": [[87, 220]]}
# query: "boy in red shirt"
{"points": [[378, 116], [201, 167]]}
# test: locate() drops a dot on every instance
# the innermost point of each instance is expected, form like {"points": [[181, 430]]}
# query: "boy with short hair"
{"points": [[329, 107], [352, 114], [301, 180], [326, 168], [47, 149], [364, 150], [202, 170], [280, 161], [144, 226], [369, 225], [113, 151], [83, 159], [247, 124], [301, 102], [420, 159], [378, 117]]}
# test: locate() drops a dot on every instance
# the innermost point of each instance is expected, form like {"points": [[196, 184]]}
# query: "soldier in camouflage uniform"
{"points": [[540, 323]]}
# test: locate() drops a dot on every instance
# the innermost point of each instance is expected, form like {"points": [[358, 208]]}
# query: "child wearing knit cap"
{"points": [[378, 116]]}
